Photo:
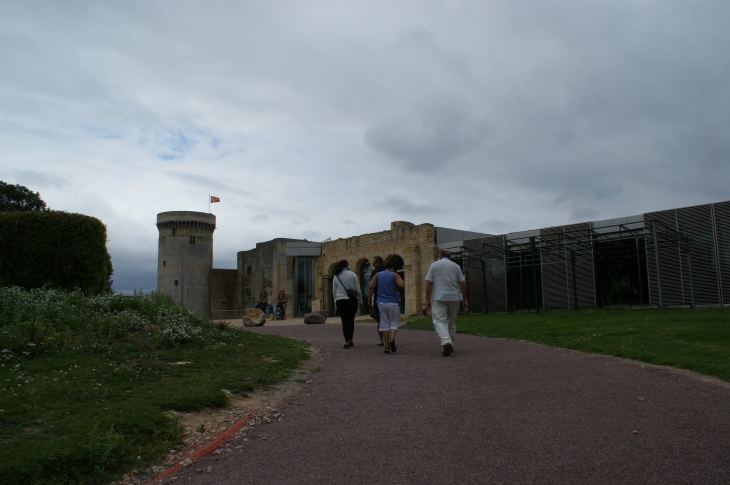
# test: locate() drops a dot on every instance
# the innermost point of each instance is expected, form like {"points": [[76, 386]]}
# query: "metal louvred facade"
{"points": [[555, 284], [696, 222], [492, 253], [475, 276], [722, 238], [584, 278], [669, 262], [676, 257]]}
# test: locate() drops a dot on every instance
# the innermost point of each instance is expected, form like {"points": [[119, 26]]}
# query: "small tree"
{"points": [[14, 198]]}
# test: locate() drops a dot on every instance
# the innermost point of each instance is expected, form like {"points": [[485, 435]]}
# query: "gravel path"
{"points": [[496, 411]]}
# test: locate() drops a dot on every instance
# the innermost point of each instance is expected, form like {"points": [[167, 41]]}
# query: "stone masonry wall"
{"points": [[222, 291], [266, 265], [416, 245]]}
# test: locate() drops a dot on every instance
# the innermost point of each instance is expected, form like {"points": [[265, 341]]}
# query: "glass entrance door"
{"points": [[303, 286]]}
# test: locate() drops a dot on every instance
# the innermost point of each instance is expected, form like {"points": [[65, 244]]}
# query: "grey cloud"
{"points": [[311, 235], [404, 205], [421, 50], [436, 132], [260, 217], [31, 179], [206, 182], [103, 132], [584, 214], [133, 271], [494, 226]]}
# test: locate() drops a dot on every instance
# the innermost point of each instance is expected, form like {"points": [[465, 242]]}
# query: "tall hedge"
{"points": [[54, 249]]}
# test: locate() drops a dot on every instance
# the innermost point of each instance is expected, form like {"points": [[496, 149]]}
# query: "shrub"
{"points": [[176, 328], [18, 198], [117, 324], [54, 249], [39, 320]]}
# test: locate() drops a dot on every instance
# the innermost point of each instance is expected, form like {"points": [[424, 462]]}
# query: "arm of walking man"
{"points": [[429, 292], [371, 287], [464, 303]]}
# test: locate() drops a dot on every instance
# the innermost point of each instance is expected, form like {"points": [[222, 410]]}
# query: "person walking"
{"points": [[445, 289], [377, 268], [387, 283], [347, 295], [263, 299]]}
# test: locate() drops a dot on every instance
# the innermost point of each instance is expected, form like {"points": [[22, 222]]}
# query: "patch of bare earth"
{"points": [[202, 427]]}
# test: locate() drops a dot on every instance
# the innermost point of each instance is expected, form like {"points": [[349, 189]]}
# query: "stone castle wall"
{"points": [[416, 245], [266, 265], [222, 291], [186, 254]]}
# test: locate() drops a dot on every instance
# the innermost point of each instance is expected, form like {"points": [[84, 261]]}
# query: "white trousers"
{"points": [[389, 315], [444, 319]]}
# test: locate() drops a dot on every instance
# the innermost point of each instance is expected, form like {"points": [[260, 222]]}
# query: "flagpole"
{"points": [[208, 202]]}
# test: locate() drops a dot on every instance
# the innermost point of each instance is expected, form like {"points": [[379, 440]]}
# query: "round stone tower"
{"points": [[185, 258]]}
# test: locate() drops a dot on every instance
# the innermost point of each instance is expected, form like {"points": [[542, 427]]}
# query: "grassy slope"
{"points": [[89, 411], [697, 340]]}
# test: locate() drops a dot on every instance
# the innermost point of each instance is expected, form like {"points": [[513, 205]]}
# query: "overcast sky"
{"points": [[314, 119]]}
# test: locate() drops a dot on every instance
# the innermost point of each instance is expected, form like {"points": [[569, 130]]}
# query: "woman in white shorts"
{"points": [[387, 283]]}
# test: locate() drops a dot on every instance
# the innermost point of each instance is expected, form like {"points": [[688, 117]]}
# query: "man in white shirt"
{"points": [[445, 287]]}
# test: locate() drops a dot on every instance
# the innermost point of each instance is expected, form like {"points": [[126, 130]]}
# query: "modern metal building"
{"points": [[676, 257]]}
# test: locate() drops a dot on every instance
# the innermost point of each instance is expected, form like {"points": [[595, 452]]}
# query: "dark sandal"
{"points": [[346, 346], [387, 350], [392, 346]]}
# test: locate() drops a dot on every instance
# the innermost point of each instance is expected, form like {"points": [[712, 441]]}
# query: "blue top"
{"points": [[372, 275], [387, 289]]}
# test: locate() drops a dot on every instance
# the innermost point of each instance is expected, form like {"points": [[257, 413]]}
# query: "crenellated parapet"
{"points": [[192, 224]]}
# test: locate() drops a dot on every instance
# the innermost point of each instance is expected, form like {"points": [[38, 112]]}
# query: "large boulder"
{"points": [[253, 317], [314, 317]]}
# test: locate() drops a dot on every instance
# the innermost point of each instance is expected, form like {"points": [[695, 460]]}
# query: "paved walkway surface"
{"points": [[289, 322], [496, 411]]}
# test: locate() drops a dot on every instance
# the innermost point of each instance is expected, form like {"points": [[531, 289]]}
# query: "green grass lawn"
{"points": [[698, 340], [83, 396]]}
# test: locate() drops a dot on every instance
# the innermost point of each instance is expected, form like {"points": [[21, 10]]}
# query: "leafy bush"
{"points": [[117, 324], [15, 198], [40, 320], [176, 328], [54, 249]]}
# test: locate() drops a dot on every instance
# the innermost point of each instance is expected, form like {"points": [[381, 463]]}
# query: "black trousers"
{"points": [[347, 310]]}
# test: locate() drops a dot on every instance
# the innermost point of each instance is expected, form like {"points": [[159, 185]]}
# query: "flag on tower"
{"points": [[214, 199]]}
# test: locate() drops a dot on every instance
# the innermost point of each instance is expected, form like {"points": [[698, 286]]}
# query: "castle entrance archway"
{"points": [[365, 271]]}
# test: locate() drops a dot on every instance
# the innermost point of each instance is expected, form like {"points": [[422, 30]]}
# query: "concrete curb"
{"points": [[206, 450]]}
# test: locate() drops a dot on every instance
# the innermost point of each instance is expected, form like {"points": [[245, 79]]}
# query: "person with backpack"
{"points": [[387, 283], [347, 295]]}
